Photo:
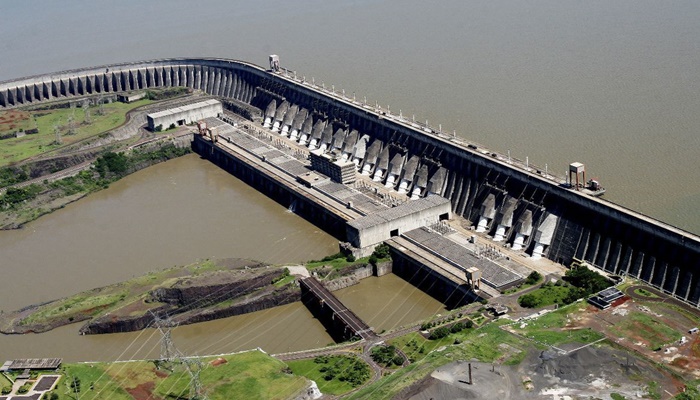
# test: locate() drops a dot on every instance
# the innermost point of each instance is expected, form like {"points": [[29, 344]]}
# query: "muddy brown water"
{"points": [[174, 214]]}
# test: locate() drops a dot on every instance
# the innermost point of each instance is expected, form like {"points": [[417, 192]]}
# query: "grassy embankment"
{"points": [[334, 375], [645, 293], [4, 382], [533, 279], [47, 121], [558, 327], [86, 305], [339, 262], [249, 375], [578, 282], [488, 344]]}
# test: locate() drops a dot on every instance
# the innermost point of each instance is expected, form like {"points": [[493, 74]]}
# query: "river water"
{"points": [[173, 214]]}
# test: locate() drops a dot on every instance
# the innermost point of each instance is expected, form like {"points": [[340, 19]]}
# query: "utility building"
{"points": [[366, 232], [185, 114]]}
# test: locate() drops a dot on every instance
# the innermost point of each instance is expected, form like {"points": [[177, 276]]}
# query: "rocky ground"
{"points": [[202, 291], [591, 372]]}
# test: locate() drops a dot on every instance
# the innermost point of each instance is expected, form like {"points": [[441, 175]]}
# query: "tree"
{"points": [[440, 333], [528, 301], [587, 279], [397, 360], [14, 195], [574, 294], [75, 384], [71, 120], [533, 278], [382, 251], [384, 355], [110, 162]]}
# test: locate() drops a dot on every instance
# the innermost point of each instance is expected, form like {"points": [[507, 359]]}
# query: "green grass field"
{"points": [[644, 326], [487, 344], [74, 305], [311, 369], [17, 149], [4, 381], [551, 329], [250, 375], [548, 295]]}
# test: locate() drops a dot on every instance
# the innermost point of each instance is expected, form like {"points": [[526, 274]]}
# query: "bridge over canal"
{"points": [[340, 321]]}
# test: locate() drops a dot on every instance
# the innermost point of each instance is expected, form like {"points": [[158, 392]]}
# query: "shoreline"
{"points": [[182, 293], [49, 200]]}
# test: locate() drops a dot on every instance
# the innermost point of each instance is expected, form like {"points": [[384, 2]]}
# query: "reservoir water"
{"points": [[173, 214], [615, 85]]}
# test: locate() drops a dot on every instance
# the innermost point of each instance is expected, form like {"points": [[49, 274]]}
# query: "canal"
{"points": [[176, 213]]}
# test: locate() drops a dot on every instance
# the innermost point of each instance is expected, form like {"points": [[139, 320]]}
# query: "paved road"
{"points": [[663, 297]]}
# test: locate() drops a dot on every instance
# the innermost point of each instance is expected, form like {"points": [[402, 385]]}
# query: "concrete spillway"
{"points": [[545, 220]]}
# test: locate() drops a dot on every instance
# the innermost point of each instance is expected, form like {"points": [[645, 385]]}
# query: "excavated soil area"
{"points": [[595, 372]]}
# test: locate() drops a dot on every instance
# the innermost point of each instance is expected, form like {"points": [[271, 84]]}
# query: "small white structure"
{"points": [[185, 114]]}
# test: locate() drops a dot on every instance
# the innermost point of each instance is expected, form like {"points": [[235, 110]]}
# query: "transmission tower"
{"points": [[86, 110], [194, 368], [71, 120], [57, 132], [168, 351], [171, 355]]}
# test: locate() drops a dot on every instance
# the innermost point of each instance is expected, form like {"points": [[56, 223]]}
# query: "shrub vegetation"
{"points": [[386, 356], [578, 282], [380, 253]]}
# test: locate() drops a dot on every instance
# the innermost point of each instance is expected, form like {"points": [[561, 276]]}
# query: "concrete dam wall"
{"points": [[522, 207]]}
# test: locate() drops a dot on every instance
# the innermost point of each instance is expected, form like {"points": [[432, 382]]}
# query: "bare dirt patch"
{"points": [[218, 361], [12, 119], [653, 328], [160, 373], [143, 391]]}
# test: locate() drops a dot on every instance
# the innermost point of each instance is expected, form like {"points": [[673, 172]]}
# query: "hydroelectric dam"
{"points": [[368, 175]]}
